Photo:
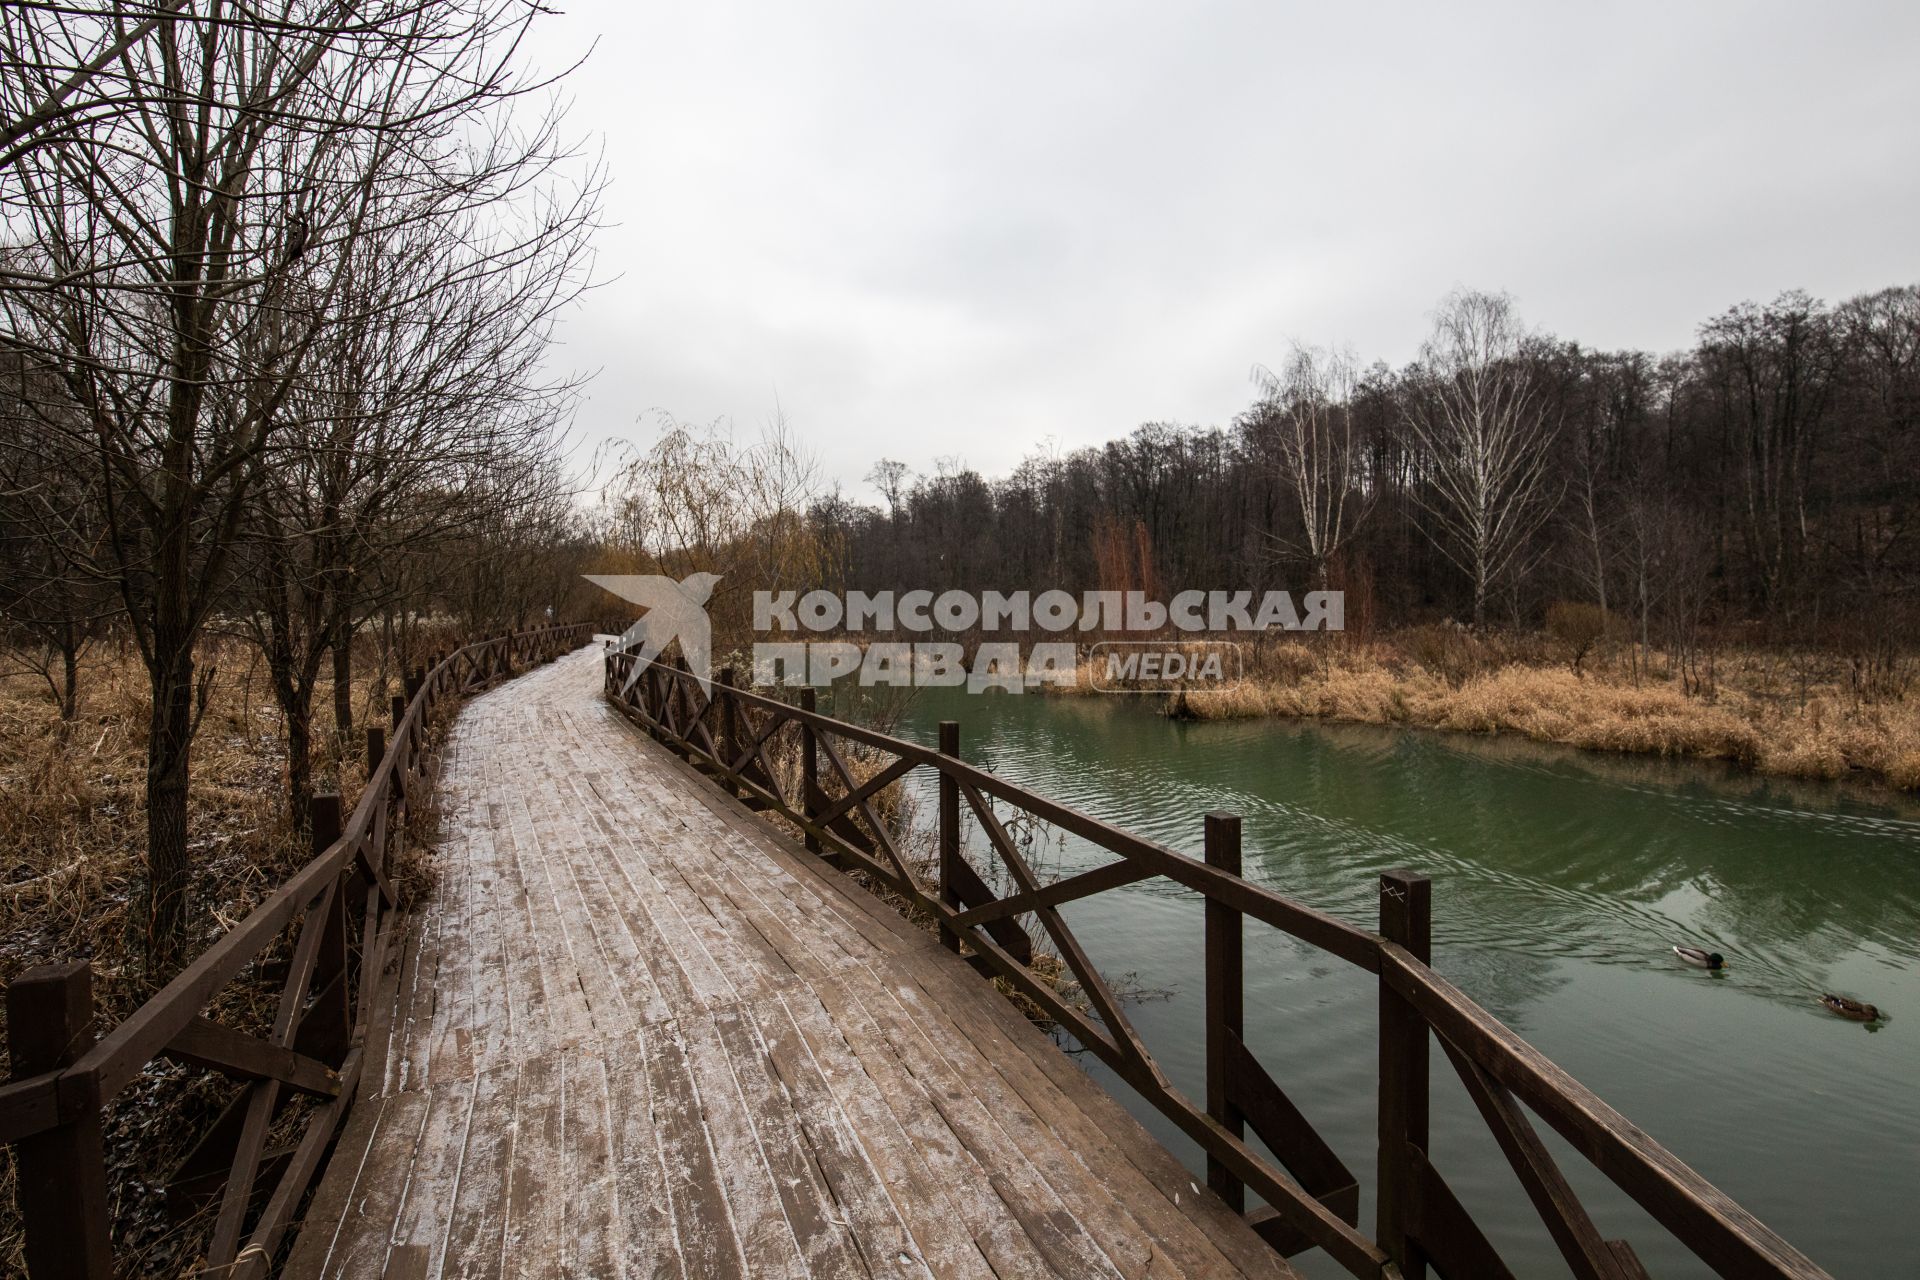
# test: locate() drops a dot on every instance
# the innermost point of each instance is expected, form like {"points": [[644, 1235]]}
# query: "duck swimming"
{"points": [[1857, 1010], [1701, 959]]}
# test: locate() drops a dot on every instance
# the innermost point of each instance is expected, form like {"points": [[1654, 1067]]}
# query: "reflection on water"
{"points": [[1560, 881]]}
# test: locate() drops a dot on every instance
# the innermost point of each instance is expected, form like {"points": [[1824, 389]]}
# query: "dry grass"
{"points": [[1778, 714], [73, 830]]}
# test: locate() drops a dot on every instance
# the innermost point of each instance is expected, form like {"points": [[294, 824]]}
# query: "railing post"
{"points": [[728, 706], [376, 747], [809, 766], [949, 830], [1406, 917], [327, 1025], [326, 819], [1226, 1000], [410, 680], [61, 1174], [399, 706]]}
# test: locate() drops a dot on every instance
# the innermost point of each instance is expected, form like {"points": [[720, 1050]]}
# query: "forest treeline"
{"points": [[1764, 483], [277, 285], [1761, 487]]}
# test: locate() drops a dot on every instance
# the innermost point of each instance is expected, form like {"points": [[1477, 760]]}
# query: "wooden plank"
{"points": [[1405, 917], [964, 885], [1001, 1032], [1225, 986], [1448, 1233], [1287, 1133], [894, 1207], [735, 886], [590, 1231], [321, 1225], [1587, 1255], [476, 1215], [825, 1240], [206, 1043], [1112, 875], [385, 1021], [1056, 1200], [359, 1247], [319, 1229], [536, 1178], [558, 843], [420, 1223], [411, 1051], [658, 922], [493, 1042], [753, 1201], [655, 976], [704, 1228], [742, 852], [449, 1045], [752, 967], [529, 1024], [30, 1105], [975, 1028], [569, 1015], [851, 910], [647, 1243]]}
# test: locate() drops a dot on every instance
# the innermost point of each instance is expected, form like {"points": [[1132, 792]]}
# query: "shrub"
{"points": [[1577, 626]]}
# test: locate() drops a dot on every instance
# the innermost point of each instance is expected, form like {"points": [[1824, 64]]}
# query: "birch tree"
{"points": [[1485, 440], [1307, 422]]}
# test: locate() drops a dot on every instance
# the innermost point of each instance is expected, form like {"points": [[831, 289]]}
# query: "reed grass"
{"points": [[72, 852], [1773, 713]]}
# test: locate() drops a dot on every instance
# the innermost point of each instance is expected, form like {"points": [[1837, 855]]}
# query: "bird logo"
{"points": [[674, 611]]}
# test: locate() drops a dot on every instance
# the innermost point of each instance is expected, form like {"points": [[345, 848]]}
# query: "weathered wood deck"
{"points": [[636, 1033]]}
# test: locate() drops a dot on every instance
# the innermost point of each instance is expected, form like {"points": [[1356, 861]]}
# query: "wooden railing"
{"points": [[1310, 1198], [342, 904]]}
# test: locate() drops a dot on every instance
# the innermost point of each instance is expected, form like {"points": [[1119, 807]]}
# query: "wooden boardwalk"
{"points": [[637, 1033]]}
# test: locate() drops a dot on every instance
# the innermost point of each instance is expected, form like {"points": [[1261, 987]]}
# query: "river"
{"points": [[1561, 879]]}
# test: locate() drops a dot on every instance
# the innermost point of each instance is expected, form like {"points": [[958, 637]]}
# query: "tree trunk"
{"points": [[70, 675], [299, 716], [340, 641], [169, 742]]}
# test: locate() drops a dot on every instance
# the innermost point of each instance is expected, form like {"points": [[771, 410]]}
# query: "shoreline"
{"points": [[1821, 735]]}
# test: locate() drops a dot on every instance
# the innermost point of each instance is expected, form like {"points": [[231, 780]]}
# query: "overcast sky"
{"points": [[960, 230]]}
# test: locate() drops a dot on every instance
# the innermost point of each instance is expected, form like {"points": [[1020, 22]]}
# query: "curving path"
{"points": [[636, 1033]]}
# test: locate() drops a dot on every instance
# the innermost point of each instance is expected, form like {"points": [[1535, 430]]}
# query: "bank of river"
{"points": [[1561, 879]]}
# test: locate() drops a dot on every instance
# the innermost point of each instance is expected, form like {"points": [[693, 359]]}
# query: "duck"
{"points": [[1857, 1010], [1701, 959]]}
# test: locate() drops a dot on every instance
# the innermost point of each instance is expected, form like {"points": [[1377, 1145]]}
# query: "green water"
{"points": [[1560, 880]]}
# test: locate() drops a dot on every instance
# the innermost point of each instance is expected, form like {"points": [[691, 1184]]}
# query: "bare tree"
{"points": [[1768, 373], [427, 421], [88, 88], [187, 259], [1306, 419], [1479, 422], [890, 477], [698, 501]]}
